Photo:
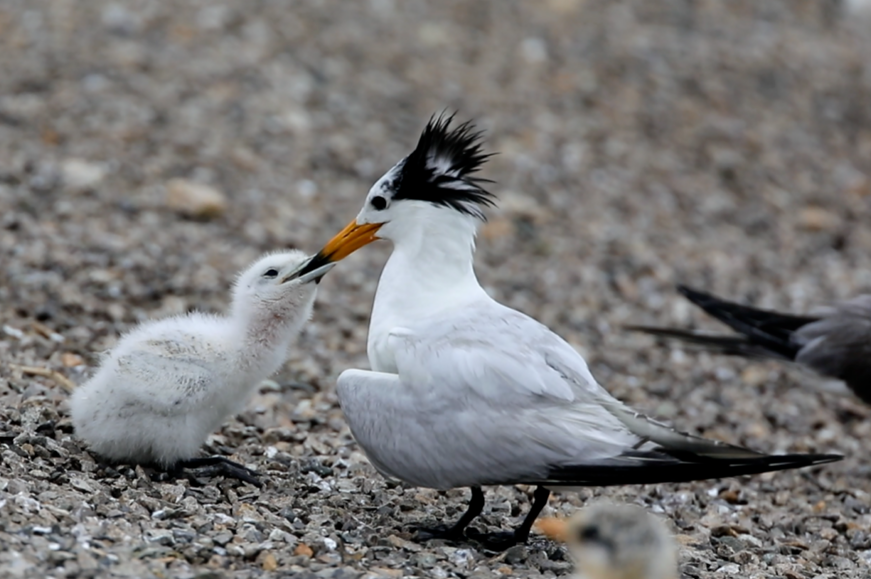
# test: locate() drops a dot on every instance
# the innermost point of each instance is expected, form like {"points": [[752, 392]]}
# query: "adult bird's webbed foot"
{"points": [[456, 532], [503, 540], [497, 541], [215, 465], [443, 532]]}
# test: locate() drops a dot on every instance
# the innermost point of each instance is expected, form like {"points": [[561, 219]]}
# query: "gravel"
{"points": [[150, 150]]}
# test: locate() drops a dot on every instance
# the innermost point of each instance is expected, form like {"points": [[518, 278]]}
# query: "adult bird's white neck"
{"points": [[430, 271]]}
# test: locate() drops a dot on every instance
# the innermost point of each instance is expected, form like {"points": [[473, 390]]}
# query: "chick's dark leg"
{"points": [[213, 465], [458, 530], [224, 466], [505, 539]]}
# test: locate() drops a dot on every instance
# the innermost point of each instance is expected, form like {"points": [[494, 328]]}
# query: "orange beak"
{"points": [[349, 240], [553, 528], [343, 244]]}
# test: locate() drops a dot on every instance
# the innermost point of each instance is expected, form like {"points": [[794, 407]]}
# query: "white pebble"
{"points": [[80, 175], [195, 199]]}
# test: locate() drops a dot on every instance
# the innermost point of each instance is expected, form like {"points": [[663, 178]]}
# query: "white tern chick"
{"points": [[609, 541], [169, 383]]}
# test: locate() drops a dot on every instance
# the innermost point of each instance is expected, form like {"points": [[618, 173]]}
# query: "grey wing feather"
{"points": [[839, 345], [541, 416]]}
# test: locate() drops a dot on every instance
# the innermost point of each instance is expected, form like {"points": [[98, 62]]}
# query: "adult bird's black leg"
{"points": [[217, 465], [503, 540], [457, 531], [539, 501]]}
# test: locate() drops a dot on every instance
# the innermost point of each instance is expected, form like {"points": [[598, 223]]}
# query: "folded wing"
{"points": [[514, 403]]}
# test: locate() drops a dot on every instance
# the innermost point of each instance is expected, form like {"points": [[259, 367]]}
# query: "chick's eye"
{"points": [[271, 272], [589, 533], [379, 202]]}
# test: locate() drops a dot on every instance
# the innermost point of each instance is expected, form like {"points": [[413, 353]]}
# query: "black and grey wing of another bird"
{"points": [[835, 343]]}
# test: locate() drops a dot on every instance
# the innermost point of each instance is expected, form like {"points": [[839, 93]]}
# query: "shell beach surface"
{"points": [[150, 150]]}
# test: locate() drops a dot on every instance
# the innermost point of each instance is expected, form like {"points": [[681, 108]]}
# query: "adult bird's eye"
{"points": [[271, 272], [379, 202]]}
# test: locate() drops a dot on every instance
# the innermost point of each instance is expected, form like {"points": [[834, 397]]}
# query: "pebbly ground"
{"points": [[726, 145]]}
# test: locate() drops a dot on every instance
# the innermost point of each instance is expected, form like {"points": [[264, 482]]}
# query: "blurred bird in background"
{"points": [[608, 541], [835, 342]]}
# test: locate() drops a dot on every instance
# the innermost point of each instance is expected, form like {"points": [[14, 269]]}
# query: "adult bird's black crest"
{"points": [[440, 168]]}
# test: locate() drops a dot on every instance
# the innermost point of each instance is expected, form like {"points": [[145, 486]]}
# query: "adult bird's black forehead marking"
{"points": [[394, 184], [440, 168]]}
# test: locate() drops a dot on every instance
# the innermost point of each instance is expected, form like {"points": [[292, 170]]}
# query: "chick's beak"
{"points": [[306, 274], [343, 244]]}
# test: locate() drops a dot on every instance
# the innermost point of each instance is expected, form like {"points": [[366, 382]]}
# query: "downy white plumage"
{"points": [[464, 391], [609, 541], [169, 383]]}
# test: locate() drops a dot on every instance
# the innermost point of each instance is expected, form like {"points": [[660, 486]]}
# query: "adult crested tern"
{"points": [[609, 541], [169, 383], [835, 343], [465, 392]]}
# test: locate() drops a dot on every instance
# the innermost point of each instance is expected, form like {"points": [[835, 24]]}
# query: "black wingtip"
{"points": [[696, 296], [661, 467], [827, 458], [730, 344], [789, 461]]}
